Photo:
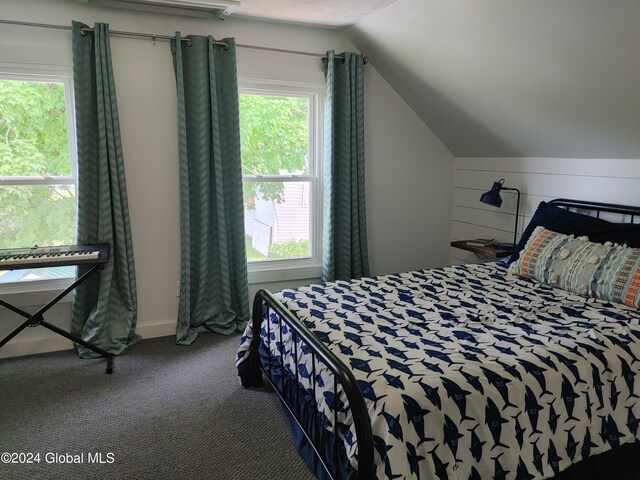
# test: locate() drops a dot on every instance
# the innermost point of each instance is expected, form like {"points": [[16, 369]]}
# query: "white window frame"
{"points": [[44, 73], [295, 268]]}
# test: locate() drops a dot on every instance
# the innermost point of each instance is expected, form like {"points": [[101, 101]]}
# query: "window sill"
{"points": [[37, 292], [264, 273]]}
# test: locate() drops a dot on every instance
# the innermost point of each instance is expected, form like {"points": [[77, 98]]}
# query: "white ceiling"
{"points": [[332, 13], [328, 13]]}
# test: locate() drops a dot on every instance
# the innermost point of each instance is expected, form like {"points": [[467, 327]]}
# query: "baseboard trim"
{"points": [[30, 347], [163, 329], [56, 343]]}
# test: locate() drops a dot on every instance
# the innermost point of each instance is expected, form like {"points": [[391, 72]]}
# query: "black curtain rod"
{"points": [[154, 37]]}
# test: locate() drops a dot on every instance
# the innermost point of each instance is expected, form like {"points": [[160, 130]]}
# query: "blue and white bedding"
{"points": [[469, 372]]}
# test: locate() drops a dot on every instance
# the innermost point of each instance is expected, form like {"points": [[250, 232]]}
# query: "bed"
{"points": [[466, 372]]}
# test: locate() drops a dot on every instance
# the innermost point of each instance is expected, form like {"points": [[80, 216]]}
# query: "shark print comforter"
{"points": [[469, 372]]}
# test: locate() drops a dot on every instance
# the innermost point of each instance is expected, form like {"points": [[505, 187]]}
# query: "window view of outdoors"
{"points": [[276, 173], [37, 189]]}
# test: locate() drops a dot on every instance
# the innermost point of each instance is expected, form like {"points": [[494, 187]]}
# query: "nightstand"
{"points": [[489, 252]]}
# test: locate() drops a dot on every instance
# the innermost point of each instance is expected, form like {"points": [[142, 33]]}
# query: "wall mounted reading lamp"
{"points": [[492, 197]]}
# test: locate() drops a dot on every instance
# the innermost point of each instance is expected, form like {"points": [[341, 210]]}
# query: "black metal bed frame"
{"points": [[264, 303], [597, 207]]}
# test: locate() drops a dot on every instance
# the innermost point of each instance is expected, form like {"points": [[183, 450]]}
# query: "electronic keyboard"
{"points": [[59, 256]]}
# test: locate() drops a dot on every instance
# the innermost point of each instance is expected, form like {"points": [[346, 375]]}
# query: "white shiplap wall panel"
{"points": [[466, 197], [498, 219], [622, 167], [539, 179], [464, 231], [601, 189]]}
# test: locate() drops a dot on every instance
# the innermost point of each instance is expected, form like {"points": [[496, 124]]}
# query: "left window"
{"points": [[38, 174]]}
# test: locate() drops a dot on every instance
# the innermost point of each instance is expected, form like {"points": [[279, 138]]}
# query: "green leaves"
{"points": [[274, 135], [33, 125], [34, 142], [37, 214], [290, 249]]}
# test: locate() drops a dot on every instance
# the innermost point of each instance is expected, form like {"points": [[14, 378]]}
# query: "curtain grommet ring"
{"points": [[84, 31]]}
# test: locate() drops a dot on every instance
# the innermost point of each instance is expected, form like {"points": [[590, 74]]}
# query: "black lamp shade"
{"points": [[492, 197]]}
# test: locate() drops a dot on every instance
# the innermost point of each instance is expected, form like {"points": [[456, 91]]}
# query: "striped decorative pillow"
{"points": [[608, 272]]}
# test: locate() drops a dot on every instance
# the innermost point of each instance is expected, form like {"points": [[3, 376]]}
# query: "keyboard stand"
{"points": [[33, 320]]}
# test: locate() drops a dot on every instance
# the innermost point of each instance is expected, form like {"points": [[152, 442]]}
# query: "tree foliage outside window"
{"points": [[35, 208], [274, 136], [278, 172]]}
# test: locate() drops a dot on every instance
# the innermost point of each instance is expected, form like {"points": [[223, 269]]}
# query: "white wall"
{"points": [[406, 163], [409, 177], [539, 179]]}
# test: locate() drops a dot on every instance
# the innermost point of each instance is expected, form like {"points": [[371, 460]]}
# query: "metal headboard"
{"points": [[598, 207]]}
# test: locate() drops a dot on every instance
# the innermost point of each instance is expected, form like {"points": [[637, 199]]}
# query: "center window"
{"points": [[280, 173]]}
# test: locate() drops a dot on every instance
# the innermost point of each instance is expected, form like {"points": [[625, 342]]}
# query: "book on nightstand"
{"points": [[481, 242]]}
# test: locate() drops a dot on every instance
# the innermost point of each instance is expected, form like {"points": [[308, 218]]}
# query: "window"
{"points": [[37, 166], [280, 165]]}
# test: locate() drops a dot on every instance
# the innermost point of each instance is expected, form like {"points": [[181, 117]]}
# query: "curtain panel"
{"points": [[213, 280], [344, 254], [104, 310]]}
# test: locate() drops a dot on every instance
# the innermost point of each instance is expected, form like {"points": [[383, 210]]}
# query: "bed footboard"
{"points": [[265, 303]]}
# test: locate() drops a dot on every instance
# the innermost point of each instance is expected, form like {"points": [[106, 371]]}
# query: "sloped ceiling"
{"points": [[547, 78]]}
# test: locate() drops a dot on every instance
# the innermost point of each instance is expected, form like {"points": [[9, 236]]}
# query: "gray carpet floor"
{"points": [[167, 412]]}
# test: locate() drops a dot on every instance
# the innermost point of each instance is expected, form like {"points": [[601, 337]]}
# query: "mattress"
{"points": [[469, 372]]}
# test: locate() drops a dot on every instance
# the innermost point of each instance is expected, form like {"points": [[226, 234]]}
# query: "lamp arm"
{"points": [[515, 232]]}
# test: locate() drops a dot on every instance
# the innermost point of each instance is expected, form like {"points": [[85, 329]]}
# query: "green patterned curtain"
{"points": [[344, 254], [213, 279], [105, 306]]}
